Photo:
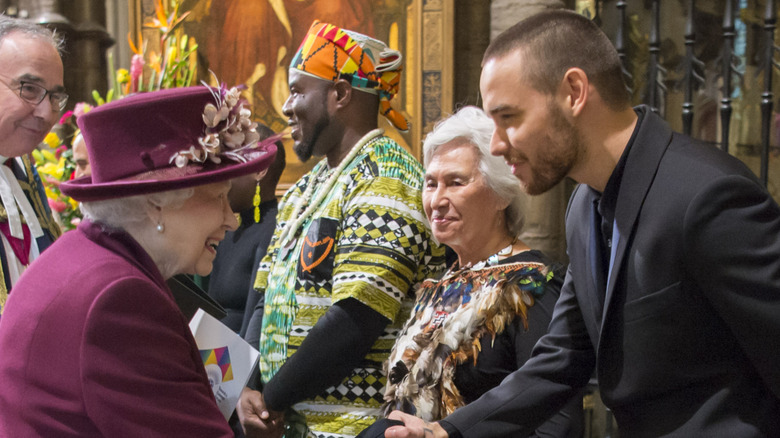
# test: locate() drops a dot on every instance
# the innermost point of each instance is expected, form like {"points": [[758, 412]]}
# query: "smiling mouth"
{"points": [[212, 245], [294, 131], [514, 166]]}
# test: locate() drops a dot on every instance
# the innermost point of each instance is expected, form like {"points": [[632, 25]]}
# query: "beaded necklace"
{"points": [[292, 227], [490, 261]]}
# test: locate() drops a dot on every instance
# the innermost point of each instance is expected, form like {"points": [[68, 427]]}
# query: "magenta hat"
{"points": [[167, 140]]}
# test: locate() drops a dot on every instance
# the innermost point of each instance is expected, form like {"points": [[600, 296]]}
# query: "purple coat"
{"points": [[92, 345]]}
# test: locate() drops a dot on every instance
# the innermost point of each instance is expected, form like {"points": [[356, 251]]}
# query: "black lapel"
{"points": [[642, 163]]}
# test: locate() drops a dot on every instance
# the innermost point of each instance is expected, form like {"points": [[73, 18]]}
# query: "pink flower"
{"points": [[66, 116], [57, 206], [81, 108], [136, 67], [60, 150]]}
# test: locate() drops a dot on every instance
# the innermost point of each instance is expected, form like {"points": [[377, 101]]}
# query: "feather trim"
{"points": [[449, 322]]}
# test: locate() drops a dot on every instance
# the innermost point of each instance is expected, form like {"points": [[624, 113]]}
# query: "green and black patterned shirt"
{"points": [[369, 240]]}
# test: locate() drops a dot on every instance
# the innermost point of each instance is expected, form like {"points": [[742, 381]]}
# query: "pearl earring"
{"points": [[160, 227]]}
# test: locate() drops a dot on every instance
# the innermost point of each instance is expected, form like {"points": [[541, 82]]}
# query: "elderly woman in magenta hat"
{"points": [[93, 344]]}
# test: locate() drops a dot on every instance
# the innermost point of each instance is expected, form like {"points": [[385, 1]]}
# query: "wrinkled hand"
{"points": [[257, 421], [413, 427]]}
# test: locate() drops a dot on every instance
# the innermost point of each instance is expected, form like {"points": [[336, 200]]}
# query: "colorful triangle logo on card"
{"points": [[221, 358]]}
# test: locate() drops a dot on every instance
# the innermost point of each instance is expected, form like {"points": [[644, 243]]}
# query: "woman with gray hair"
{"points": [[479, 322]]}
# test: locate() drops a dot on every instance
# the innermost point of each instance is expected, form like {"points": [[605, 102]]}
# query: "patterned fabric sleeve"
{"points": [[384, 248]]}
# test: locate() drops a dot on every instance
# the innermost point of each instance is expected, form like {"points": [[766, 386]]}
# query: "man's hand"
{"points": [[413, 427], [257, 421]]}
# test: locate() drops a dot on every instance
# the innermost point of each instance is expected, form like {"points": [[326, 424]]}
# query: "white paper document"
{"points": [[227, 357]]}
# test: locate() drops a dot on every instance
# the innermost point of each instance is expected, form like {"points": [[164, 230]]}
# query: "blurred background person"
{"points": [[479, 322], [80, 157], [93, 342], [32, 95], [231, 282]]}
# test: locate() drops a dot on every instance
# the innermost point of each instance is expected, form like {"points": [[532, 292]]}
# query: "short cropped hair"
{"points": [[10, 25], [557, 40], [473, 126]]}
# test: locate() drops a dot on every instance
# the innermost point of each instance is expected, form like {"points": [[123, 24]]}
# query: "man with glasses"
{"points": [[31, 99]]}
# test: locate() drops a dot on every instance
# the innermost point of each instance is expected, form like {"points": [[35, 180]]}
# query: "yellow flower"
{"points": [[52, 140], [50, 168], [171, 55], [122, 76], [49, 156], [60, 172], [73, 203]]}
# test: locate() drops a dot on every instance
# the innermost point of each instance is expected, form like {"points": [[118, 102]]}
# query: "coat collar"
{"points": [[120, 242]]}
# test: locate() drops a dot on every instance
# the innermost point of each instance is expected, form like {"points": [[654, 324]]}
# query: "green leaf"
{"points": [[96, 96]]}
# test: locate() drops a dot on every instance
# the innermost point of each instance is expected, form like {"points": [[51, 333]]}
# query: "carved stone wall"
{"points": [[472, 20]]}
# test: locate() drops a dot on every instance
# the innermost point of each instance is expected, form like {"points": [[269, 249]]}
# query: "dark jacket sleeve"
{"points": [[569, 421], [255, 318]]}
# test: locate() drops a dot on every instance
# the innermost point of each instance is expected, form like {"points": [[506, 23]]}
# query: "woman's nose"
{"points": [[230, 218], [439, 197]]}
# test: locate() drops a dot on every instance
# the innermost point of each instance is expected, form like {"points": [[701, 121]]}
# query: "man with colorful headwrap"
{"points": [[350, 245]]}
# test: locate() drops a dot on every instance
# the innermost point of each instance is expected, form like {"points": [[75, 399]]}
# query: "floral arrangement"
{"points": [[229, 130], [174, 66], [56, 165]]}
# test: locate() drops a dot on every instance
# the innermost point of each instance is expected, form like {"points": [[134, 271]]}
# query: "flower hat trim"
{"points": [[229, 133]]}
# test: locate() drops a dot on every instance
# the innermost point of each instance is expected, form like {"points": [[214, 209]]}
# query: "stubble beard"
{"points": [[554, 163], [304, 149]]}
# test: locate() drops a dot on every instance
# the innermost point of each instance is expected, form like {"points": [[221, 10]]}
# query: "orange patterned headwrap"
{"points": [[332, 53]]}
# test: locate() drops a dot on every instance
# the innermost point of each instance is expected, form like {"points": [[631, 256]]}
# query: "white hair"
{"points": [[132, 211], [475, 127], [9, 25], [132, 214]]}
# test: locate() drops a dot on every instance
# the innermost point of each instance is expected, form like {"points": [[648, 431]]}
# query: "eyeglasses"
{"points": [[34, 94]]}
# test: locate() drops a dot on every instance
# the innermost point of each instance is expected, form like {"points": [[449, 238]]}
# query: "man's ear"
{"points": [[575, 90], [342, 90]]}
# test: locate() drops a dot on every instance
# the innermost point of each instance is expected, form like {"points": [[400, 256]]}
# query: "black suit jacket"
{"points": [[685, 339]]}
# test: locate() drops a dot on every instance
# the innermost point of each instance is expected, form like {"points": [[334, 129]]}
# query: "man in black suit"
{"points": [[672, 295]]}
